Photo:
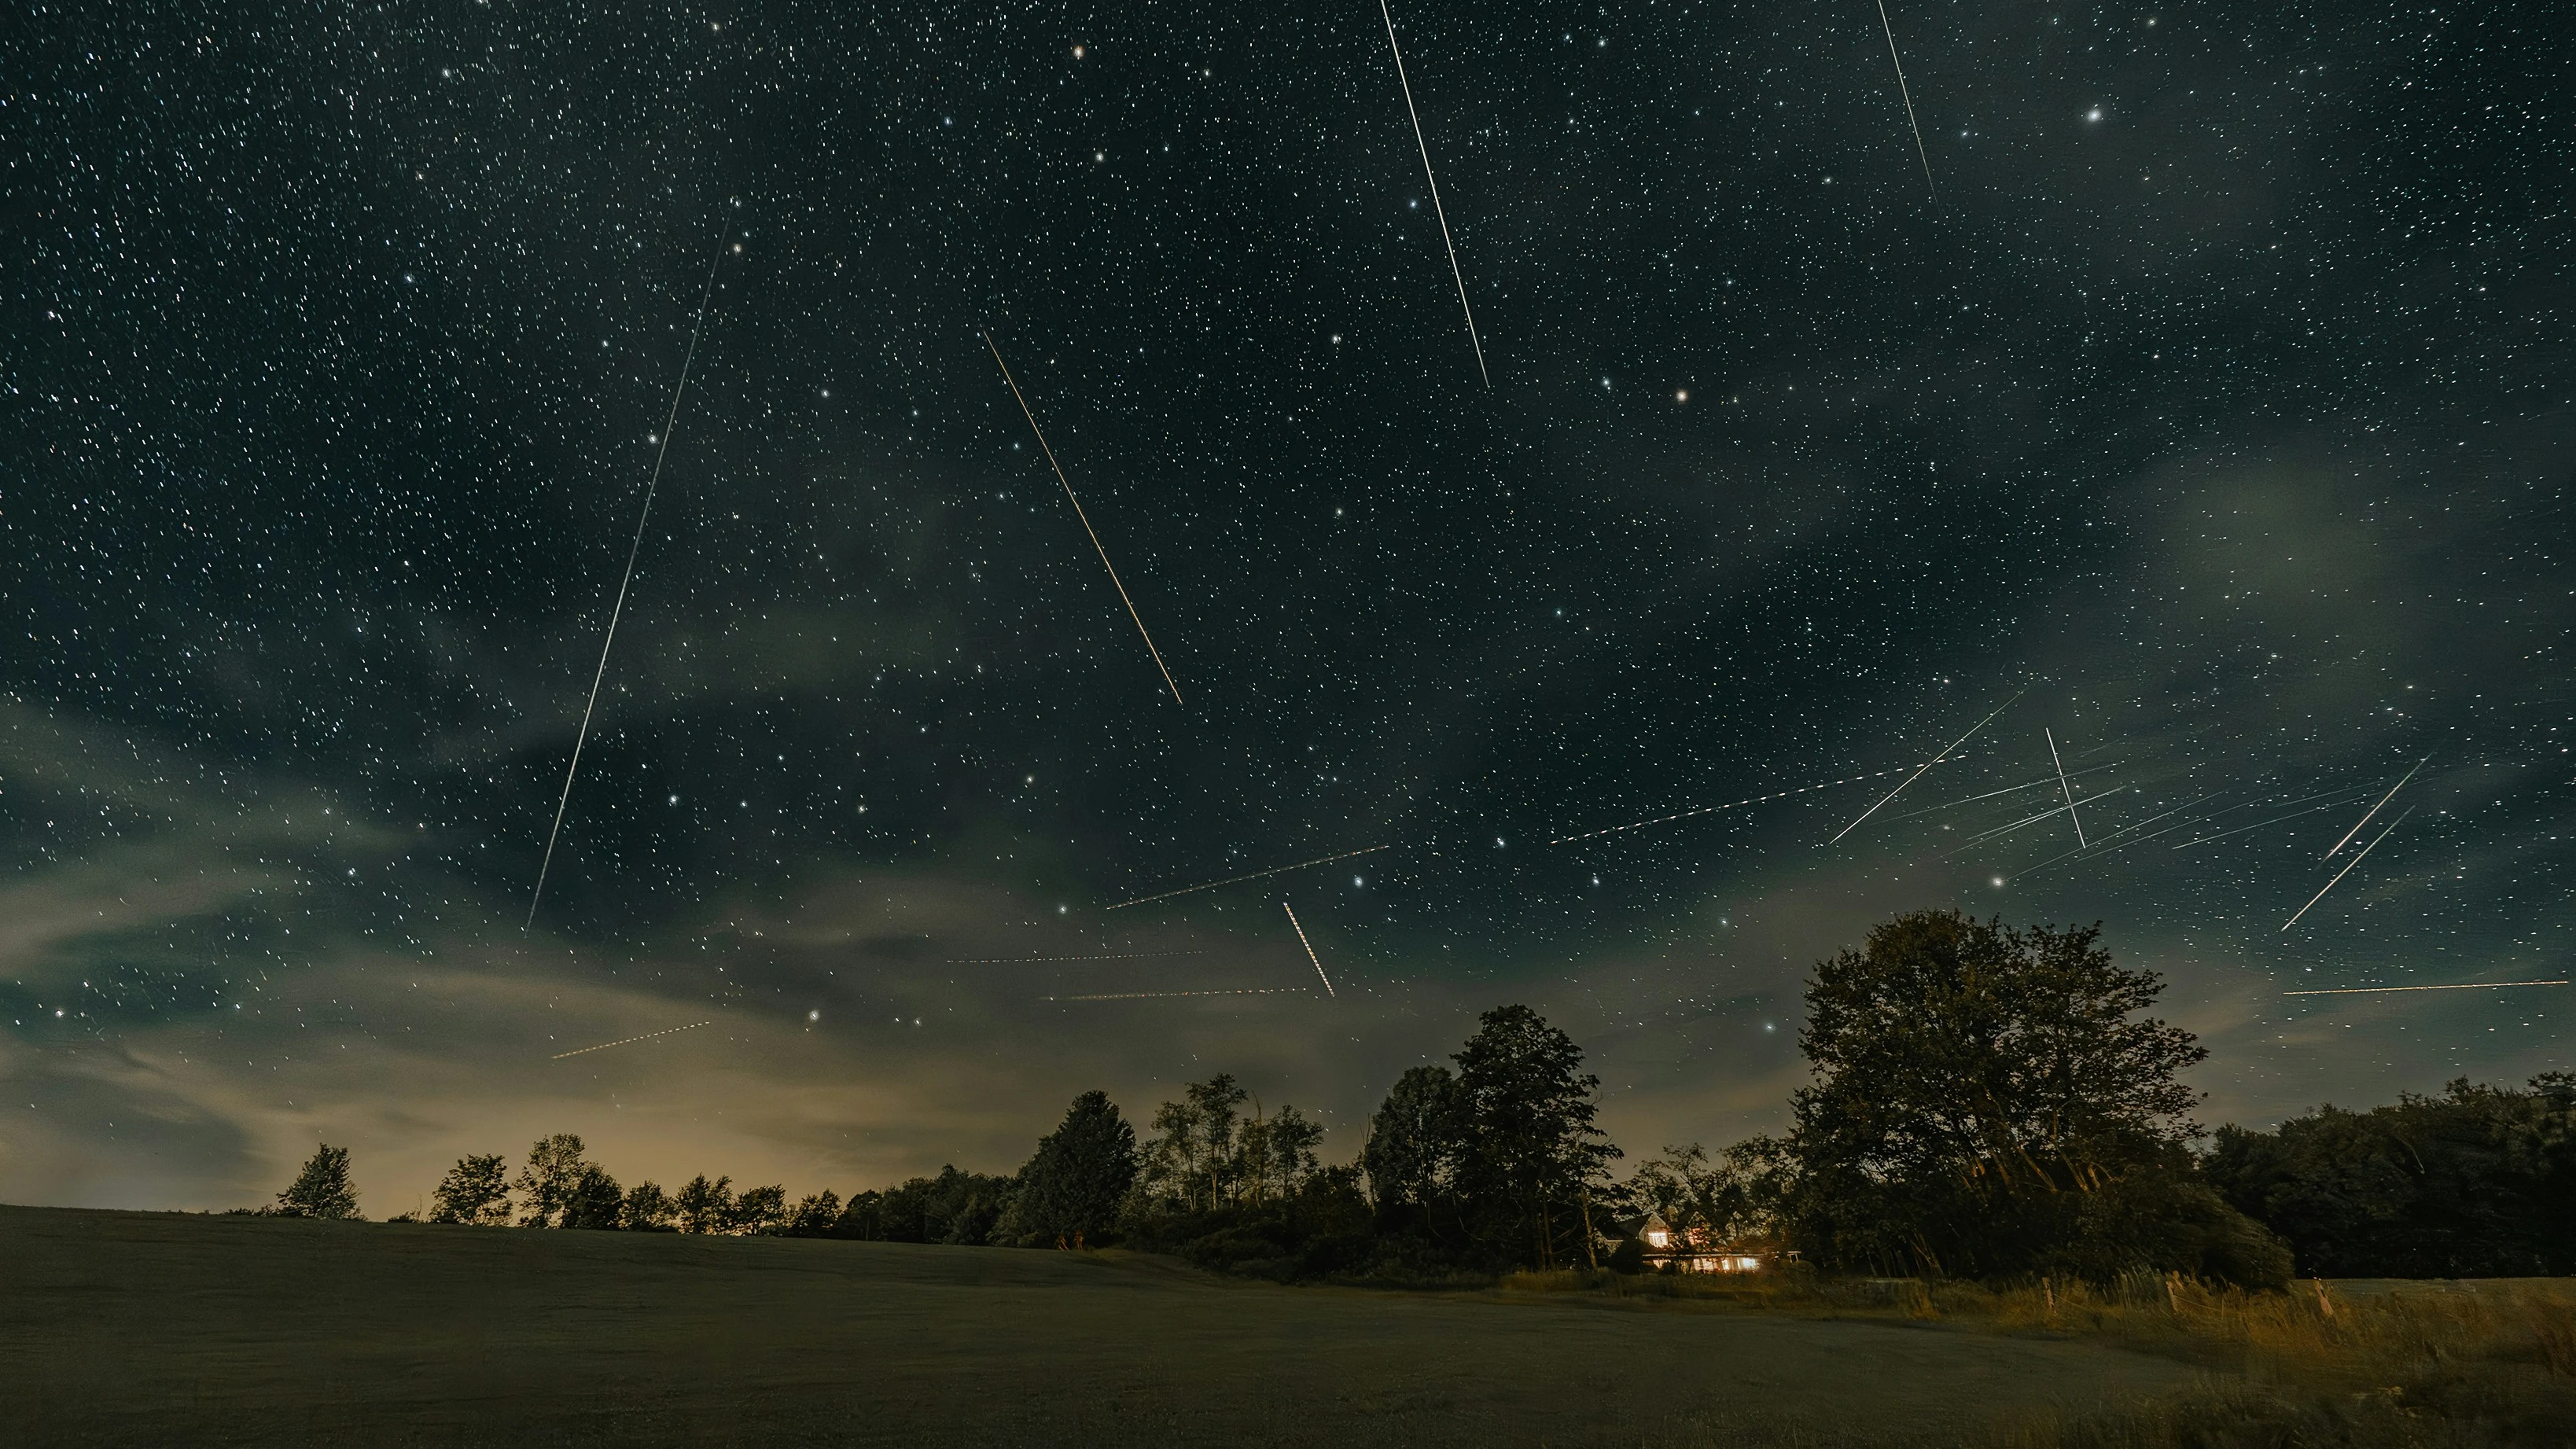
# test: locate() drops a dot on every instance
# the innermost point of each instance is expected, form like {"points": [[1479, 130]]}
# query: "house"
{"points": [[1695, 1250]]}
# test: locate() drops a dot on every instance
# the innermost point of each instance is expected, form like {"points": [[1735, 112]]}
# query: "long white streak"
{"points": [[1239, 879], [2108, 848], [2357, 858], [2068, 808], [2257, 825], [1086, 519], [630, 1041], [1017, 960], [633, 551], [1729, 805], [2463, 986], [1928, 764], [1909, 103], [1148, 995], [1310, 948], [2375, 809], [1436, 209], [2007, 790], [2069, 789]]}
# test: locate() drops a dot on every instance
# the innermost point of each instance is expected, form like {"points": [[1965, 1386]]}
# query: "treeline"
{"points": [[1984, 1102]]}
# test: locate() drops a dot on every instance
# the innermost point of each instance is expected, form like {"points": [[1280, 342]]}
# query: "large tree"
{"points": [[1414, 1140], [546, 1185], [476, 1191], [1993, 1099], [1069, 1191], [322, 1189], [1530, 1156]]}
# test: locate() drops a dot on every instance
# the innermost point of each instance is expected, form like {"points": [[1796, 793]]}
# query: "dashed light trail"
{"points": [[1928, 764], [1310, 948], [629, 1041], [1436, 208], [1240, 879]]}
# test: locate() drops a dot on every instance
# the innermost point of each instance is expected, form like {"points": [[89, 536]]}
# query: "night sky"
{"points": [[2215, 420]]}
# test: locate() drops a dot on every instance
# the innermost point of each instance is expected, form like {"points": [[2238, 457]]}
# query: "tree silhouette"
{"points": [[1531, 1154], [476, 1191], [554, 1170], [1070, 1190], [322, 1189]]}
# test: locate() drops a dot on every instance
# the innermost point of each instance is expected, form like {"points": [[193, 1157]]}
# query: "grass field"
{"points": [[141, 1328]]}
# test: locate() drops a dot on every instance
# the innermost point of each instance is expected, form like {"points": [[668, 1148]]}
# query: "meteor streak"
{"points": [[1973, 841], [1085, 517], [1310, 948], [2008, 790], [630, 1041], [661, 451], [1928, 764], [2375, 809], [1148, 995], [2109, 848], [2259, 824], [2463, 986], [1436, 209], [1909, 102], [2348, 865], [2052, 757], [1729, 805], [1239, 879], [1015, 960]]}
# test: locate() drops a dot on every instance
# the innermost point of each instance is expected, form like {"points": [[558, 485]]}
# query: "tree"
{"points": [[1070, 1189], [554, 1169], [322, 1189], [1974, 1084], [1191, 1163], [1531, 1155], [814, 1215], [702, 1206], [595, 1201], [1415, 1139], [647, 1209], [1704, 1201], [760, 1210], [476, 1192]]}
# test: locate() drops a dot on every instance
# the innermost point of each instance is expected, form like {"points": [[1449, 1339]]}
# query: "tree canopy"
{"points": [[1070, 1190], [322, 1189]]}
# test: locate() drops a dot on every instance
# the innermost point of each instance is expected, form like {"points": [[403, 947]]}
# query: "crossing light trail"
{"points": [[2462, 986], [1016, 960], [2357, 859], [1085, 517], [2375, 809], [1909, 102], [634, 550], [2007, 790], [1240, 879], [1150, 995], [2069, 789], [1436, 208], [630, 1041], [1310, 948], [2107, 848], [2340, 798], [1976, 840], [1928, 764]]}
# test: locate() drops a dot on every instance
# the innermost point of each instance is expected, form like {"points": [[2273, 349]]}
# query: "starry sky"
{"points": [[2203, 416]]}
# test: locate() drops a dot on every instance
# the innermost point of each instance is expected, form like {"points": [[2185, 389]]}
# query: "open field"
{"points": [[139, 1328]]}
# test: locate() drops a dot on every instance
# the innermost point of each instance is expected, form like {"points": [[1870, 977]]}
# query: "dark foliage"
{"points": [[546, 1184], [701, 1206], [476, 1191], [647, 1209], [594, 1201], [322, 1189], [954, 1207], [1069, 1191], [2478, 1181], [758, 1210], [813, 1216], [1990, 1101]]}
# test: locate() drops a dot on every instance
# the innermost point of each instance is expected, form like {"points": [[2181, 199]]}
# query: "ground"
{"points": [[146, 1328]]}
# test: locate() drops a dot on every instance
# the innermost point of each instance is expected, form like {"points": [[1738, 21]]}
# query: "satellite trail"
{"points": [[1151, 995], [1729, 805], [1016, 960], [1085, 517], [1928, 764], [2062, 785], [2462, 986], [2348, 865], [630, 1041], [1909, 102], [634, 550], [1239, 879], [2375, 809], [1436, 209], [1310, 948]]}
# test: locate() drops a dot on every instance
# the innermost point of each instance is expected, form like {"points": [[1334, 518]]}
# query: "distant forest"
{"points": [[1985, 1101]]}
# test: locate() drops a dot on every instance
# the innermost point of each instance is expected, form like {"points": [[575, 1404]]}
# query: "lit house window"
{"points": [[1659, 1239]]}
